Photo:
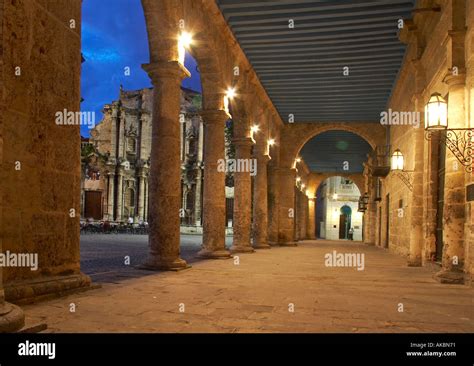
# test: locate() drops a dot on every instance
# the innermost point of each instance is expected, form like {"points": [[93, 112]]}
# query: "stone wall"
{"points": [[469, 223], [433, 51], [40, 170]]}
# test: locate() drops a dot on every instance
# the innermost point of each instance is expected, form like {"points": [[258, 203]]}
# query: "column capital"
{"points": [[262, 158], [166, 70], [242, 142], [213, 116], [286, 171], [453, 80]]}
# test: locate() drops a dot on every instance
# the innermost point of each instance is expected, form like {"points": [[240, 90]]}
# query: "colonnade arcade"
{"points": [[270, 208]]}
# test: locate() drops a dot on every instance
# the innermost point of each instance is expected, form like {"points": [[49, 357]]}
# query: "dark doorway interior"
{"points": [[93, 205], [345, 222]]}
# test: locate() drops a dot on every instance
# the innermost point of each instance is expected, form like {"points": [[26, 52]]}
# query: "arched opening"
{"points": [[335, 151], [119, 93], [337, 216]]}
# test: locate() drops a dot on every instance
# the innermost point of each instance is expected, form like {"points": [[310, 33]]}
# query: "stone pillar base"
{"points": [[288, 244], [261, 246], [241, 249], [450, 277], [45, 288], [414, 262], [11, 318], [163, 264], [214, 254]]}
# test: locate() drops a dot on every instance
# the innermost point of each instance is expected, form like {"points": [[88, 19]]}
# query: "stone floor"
{"points": [[258, 294]]}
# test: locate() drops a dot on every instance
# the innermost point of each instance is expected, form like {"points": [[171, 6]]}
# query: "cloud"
{"points": [[114, 36]]}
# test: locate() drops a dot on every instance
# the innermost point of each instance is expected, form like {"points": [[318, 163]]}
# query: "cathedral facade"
{"points": [[116, 160]]}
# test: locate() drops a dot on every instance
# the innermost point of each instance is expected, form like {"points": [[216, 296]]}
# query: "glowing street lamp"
{"points": [[335, 196], [436, 113], [397, 161], [185, 40]]}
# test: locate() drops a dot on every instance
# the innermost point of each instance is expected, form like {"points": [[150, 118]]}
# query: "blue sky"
{"points": [[114, 37]]}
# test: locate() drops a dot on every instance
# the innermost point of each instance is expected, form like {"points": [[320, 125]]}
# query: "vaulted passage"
{"points": [[273, 166]]}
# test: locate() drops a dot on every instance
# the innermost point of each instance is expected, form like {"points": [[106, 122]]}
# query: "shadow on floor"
{"points": [[105, 257]]}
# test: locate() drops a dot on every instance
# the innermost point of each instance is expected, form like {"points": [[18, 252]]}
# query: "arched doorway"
{"points": [[337, 216], [345, 222]]}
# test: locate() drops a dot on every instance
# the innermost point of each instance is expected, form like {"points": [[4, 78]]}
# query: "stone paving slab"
{"points": [[256, 296]]}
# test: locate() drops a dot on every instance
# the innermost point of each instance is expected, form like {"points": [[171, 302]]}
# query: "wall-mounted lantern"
{"points": [[363, 202], [361, 206], [398, 165], [458, 140]]}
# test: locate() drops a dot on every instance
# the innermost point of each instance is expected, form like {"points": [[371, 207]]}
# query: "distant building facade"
{"points": [[116, 160], [337, 210]]}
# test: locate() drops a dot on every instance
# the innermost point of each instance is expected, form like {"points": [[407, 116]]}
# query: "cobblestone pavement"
{"points": [[103, 255], [277, 290]]}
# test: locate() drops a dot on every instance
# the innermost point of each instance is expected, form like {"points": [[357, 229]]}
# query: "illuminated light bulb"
{"points": [[184, 41], [335, 196], [397, 161], [230, 93], [271, 142]]}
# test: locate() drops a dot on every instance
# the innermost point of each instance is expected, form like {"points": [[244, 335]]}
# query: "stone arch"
{"points": [[163, 26], [318, 178], [295, 136]]}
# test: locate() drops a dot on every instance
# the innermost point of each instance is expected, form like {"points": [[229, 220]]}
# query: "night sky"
{"points": [[114, 37]]}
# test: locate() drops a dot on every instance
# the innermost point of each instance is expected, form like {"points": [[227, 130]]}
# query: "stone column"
{"points": [[165, 169], [197, 197], [286, 215], [273, 204], [454, 193], [311, 228], [298, 214], [141, 197], [146, 199], [119, 203], [242, 198], [199, 167], [260, 204], [416, 201], [213, 211], [12, 317], [110, 196], [304, 214]]}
